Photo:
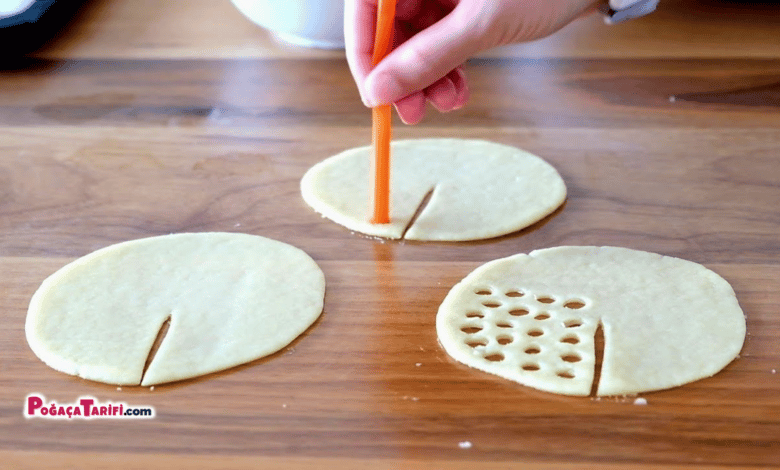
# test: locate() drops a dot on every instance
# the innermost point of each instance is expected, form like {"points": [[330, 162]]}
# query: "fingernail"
{"points": [[383, 89], [462, 98]]}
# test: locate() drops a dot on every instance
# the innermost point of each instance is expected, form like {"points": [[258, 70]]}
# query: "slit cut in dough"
{"points": [[231, 298], [532, 318], [480, 189]]}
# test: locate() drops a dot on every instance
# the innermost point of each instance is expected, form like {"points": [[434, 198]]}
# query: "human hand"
{"points": [[433, 38]]}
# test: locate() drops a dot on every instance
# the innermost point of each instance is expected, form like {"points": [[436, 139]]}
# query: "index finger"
{"points": [[359, 30]]}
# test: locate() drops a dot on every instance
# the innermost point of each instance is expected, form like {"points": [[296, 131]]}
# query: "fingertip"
{"points": [[462, 98], [364, 100], [411, 119], [442, 95], [411, 108], [382, 88], [458, 78]]}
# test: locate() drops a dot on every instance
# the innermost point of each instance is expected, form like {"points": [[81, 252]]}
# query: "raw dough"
{"points": [[480, 189], [231, 297], [532, 319]]}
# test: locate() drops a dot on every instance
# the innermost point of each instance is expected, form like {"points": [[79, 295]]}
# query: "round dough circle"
{"points": [[231, 298], [533, 319], [480, 189]]}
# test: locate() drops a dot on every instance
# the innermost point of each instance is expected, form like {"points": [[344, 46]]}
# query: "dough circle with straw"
{"points": [[231, 298], [533, 319], [478, 189]]}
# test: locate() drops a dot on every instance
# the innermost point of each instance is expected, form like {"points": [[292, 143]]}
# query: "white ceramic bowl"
{"points": [[307, 23], [9, 8]]}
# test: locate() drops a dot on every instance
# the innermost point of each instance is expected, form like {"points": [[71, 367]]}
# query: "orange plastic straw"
{"points": [[381, 116]]}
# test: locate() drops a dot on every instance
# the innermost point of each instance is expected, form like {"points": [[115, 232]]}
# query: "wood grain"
{"points": [[105, 139]]}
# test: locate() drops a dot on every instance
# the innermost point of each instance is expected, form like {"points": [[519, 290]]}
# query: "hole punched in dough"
{"points": [[497, 357], [566, 374], [545, 299], [588, 315], [572, 357], [470, 330], [570, 339], [504, 339], [574, 304]]}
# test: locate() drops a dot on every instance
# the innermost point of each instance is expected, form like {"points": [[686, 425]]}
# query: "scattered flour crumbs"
{"points": [[623, 399]]}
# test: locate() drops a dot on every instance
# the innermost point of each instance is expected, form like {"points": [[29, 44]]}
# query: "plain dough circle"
{"points": [[666, 321], [231, 298], [481, 189]]}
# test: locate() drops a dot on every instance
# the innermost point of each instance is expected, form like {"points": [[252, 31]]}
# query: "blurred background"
{"points": [[222, 29]]}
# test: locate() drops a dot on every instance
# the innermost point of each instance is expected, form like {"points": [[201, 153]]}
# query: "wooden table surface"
{"points": [[147, 118]]}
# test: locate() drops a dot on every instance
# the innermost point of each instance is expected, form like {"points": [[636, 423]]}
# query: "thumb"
{"points": [[423, 59]]}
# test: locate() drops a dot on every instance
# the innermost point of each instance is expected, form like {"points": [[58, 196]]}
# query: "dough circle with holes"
{"points": [[231, 298], [478, 189], [532, 318]]}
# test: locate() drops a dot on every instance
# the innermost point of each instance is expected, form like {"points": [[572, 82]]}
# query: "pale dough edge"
{"points": [[395, 229], [109, 375], [446, 331], [729, 349], [446, 325], [127, 376], [158, 375]]}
